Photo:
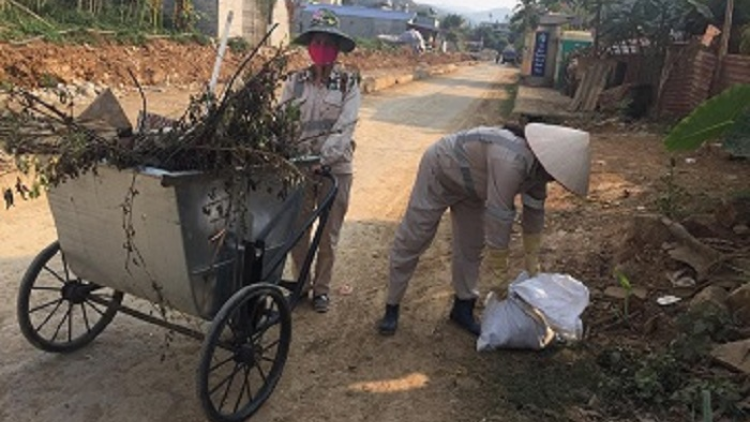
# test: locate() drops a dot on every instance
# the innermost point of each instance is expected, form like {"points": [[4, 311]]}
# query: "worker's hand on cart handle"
{"points": [[321, 169], [306, 160]]}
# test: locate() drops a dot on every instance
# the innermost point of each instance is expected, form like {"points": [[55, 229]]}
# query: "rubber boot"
{"points": [[463, 315], [389, 323]]}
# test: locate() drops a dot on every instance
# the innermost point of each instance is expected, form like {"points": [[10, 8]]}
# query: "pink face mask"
{"points": [[322, 54]]}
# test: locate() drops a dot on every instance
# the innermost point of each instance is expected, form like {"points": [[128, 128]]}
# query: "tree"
{"points": [[184, 15], [454, 26], [527, 13], [492, 39], [745, 40], [526, 16], [453, 21], [581, 11]]}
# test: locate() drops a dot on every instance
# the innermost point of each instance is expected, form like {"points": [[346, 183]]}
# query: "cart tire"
{"points": [[244, 353], [59, 312]]}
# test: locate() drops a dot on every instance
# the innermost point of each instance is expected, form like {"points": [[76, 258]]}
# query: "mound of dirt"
{"points": [[160, 61]]}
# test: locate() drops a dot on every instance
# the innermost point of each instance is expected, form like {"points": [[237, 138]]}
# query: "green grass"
{"points": [[506, 107], [62, 25], [371, 44]]}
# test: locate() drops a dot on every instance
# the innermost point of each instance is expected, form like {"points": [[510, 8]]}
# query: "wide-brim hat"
{"points": [[564, 153], [325, 21]]}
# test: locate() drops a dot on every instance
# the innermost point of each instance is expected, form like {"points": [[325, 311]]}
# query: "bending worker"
{"points": [[477, 174], [328, 98]]}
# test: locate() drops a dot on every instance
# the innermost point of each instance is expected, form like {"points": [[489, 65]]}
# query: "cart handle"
{"points": [[321, 212]]}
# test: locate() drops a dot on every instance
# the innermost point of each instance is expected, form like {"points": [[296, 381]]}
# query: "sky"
{"points": [[475, 5]]}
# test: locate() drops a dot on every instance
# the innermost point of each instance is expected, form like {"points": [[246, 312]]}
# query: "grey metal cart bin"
{"points": [[176, 240]]}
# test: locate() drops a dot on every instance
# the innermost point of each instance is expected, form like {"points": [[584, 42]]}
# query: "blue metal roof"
{"points": [[362, 12]]}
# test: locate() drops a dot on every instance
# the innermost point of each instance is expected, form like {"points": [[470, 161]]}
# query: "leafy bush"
{"points": [[710, 120], [668, 378], [238, 45], [375, 44]]}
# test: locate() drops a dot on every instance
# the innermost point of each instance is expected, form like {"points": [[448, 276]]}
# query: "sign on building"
{"points": [[539, 59]]}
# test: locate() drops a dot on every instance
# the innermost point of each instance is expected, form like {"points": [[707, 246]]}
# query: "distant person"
{"points": [[477, 174], [328, 97], [509, 55], [413, 38], [571, 77]]}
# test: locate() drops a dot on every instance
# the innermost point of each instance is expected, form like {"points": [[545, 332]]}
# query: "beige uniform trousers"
{"points": [[326, 254], [430, 198]]}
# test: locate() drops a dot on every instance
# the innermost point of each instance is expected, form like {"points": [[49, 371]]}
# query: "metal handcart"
{"points": [[168, 242]]}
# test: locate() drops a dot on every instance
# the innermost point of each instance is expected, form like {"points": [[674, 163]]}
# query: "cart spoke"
{"points": [[62, 321], [229, 385], [54, 289], [93, 306], [260, 331], [46, 305], [65, 267], [268, 323], [235, 335], [267, 359], [222, 363], [260, 372], [57, 276], [85, 317], [70, 322], [272, 345], [246, 370], [46, 320], [247, 378], [224, 381]]}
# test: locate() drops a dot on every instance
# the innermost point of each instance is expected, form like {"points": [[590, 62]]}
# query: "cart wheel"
{"points": [[59, 312], [244, 353]]}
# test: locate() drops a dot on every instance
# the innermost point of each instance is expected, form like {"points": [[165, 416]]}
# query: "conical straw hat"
{"points": [[564, 152]]}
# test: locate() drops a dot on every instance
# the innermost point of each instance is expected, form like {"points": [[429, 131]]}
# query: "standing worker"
{"points": [[328, 98], [477, 174], [413, 38]]}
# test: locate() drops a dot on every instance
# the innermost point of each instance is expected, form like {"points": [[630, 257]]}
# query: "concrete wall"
{"points": [[253, 21], [236, 26], [250, 21], [280, 15], [553, 45]]}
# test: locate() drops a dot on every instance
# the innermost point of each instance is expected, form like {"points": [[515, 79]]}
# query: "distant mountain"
{"points": [[474, 17], [499, 14]]}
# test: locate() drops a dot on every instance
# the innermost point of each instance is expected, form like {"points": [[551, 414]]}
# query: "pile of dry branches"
{"points": [[241, 129]]}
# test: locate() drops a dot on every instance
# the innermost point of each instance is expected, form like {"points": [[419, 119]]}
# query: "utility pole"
{"points": [[726, 32], [597, 25]]}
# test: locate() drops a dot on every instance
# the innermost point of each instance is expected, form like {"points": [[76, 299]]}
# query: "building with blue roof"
{"points": [[358, 21]]}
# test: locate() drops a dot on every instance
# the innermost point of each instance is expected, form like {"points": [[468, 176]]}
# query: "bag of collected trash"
{"points": [[560, 298], [536, 311], [512, 324]]}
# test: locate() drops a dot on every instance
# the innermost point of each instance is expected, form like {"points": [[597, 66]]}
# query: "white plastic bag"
{"points": [[537, 309], [511, 324], [560, 298]]}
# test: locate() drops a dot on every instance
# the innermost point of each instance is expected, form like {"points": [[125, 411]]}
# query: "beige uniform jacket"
{"points": [[493, 165], [328, 115]]}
